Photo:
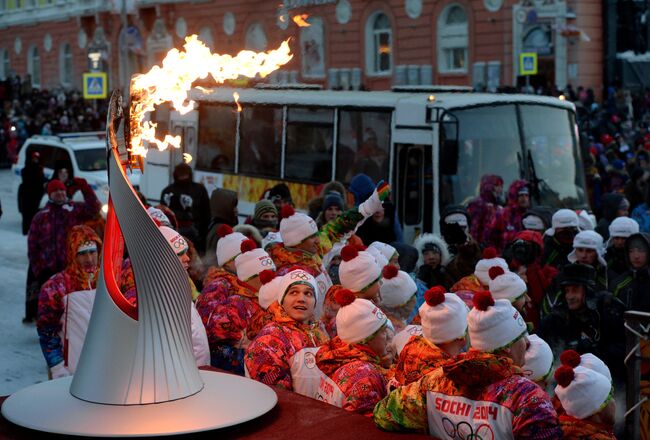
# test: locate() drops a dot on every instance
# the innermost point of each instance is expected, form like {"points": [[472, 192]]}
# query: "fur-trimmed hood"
{"points": [[249, 231], [436, 240]]}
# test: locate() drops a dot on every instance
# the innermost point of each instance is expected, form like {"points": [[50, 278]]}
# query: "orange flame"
{"points": [[187, 157], [173, 81], [301, 20], [236, 96]]}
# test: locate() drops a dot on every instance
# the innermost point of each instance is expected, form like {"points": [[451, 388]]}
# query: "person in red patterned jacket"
{"points": [[444, 331], [507, 221], [46, 240], [83, 248], [268, 358], [352, 360], [483, 209], [480, 394], [228, 317]]}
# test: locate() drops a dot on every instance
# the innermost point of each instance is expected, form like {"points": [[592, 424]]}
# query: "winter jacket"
{"points": [[433, 276], [610, 204], [30, 192], [642, 216], [227, 306], [555, 253], [51, 304], [464, 261], [222, 209], [577, 429], [46, 241], [418, 358], [483, 209], [384, 231], [507, 221], [356, 370], [616, 262], [479, 393], [268, 357]]}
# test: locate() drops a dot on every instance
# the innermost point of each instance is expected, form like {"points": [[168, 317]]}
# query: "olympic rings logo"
{"points": [[465, 431], [299, 276], [266, 262]]}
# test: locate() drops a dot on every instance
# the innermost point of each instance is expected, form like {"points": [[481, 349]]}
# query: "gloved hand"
{"points": [[59, 370], [374, 202]]}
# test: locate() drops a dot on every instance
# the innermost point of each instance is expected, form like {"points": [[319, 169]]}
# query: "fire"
{"points": [[187, 157], [236, 96], [172, 81], [301, 20]]}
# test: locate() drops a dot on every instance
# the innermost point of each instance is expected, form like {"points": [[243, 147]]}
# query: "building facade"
{"points": [[349, 44]]}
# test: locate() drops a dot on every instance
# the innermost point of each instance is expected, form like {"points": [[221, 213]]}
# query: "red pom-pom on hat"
{"points": [[287, 211], [435, 296], [344, 297], [266, 276], [224, 230], [482, 300], [248, 245], [570, 358], [389, 271], [489, 253], [495, 271], [349, 252], [564, 375]]}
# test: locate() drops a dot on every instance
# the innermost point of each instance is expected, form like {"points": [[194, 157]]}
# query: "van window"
{"points": [[363, 145], [93, 159], [62, 160], [260, 144], [217, 138], [309, 144]]}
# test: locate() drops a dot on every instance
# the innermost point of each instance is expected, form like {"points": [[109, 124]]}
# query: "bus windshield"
{"points": [[527, 141]]}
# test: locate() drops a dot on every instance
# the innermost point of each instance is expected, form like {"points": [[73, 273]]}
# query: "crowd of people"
{"points": [[457, 334]]}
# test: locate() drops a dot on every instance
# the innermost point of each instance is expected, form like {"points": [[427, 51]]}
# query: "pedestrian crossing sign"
{"points": [[528, 63], [95, 85]]}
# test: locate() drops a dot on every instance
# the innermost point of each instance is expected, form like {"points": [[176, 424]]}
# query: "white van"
{"points": [[84, 152]]}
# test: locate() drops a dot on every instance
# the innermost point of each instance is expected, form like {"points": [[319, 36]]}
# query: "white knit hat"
{"points": [[489, 260], [397, 287], [539, 359], [402, 338], [506, 285], [563, 218], [159, 216], [296, 227], [443, 316], [585, 222], [589, 240], [358, 319], [229, 244], [386, 250], [380, 259], [268, 292], [582, 391], [175, 240], [252, 261], [533, 222], [295, 276], [574, 359], [358, 270], [623, 227], [494, 324]]}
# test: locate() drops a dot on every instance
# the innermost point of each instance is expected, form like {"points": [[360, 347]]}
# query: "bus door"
{"points": [[413, 177]]}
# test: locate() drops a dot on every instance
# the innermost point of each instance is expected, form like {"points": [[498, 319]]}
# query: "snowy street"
{"points": [[21, 361]]}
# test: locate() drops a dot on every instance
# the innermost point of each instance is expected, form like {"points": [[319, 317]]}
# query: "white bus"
{"points": [[432, 147]]}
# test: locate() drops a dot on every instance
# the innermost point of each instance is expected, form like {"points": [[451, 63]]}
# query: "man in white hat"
{"points": [[588, 249], [558, 240], [481, 392], [443, 335], [619, 230]]}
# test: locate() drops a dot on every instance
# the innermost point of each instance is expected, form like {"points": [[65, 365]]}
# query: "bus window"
{"points": [[554, 165], [217, 138], [363, 145], [309, 145], [260, 145], [488, 143]]}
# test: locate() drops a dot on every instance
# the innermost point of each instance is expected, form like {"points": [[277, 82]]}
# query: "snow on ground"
{"points": [[21, 360]]}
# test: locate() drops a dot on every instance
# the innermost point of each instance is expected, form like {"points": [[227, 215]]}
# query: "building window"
{"points": [[379, 44], [34, 66], [65, 65], [452, 40], [4, 64]]}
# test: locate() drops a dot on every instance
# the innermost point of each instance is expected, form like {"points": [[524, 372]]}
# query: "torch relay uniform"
{"points": [[50, 326], [348, 361], [268, 358], [481, 392]]}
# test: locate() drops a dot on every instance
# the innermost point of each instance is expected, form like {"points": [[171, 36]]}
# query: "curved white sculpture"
{"points": [[137, 374]]}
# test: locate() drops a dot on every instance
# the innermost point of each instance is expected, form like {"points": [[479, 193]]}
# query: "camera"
{"points": [[522, 251]]}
